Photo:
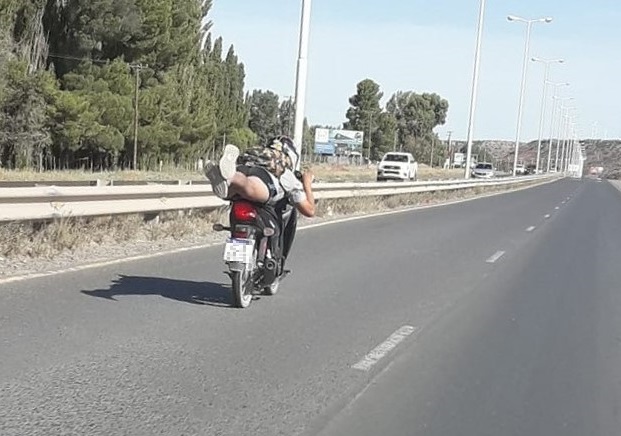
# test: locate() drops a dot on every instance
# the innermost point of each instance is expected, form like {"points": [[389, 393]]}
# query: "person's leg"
{"points": [[227, 180], [251, 188]]}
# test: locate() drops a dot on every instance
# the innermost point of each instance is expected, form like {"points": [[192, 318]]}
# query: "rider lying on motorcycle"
{"points": [[263, 175]]}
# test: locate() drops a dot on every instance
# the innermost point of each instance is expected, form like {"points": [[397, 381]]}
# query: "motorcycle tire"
{"points": [[243, 286]]}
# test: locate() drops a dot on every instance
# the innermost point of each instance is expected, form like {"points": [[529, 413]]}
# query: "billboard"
{"points": [[338, 142]]}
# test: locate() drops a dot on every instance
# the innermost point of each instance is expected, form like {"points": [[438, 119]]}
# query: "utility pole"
{"points": [[369, 141], [137, 68], [394, 147], [433, 143], [450, 148]]}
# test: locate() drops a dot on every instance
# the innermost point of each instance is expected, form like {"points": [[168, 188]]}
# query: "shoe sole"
{"points": [[228, 161]]}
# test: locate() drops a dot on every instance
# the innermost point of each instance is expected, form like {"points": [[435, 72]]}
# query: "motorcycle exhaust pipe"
{"points": [[270, 273]]}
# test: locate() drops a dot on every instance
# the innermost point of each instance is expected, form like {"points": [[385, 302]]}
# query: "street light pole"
{"points": [[561, 140], [475, 86], [559, 130], [573, 158], [558, 136], [554, 99], [570, 134], [529, 25], [546, 75], [302, 77], [566, 130], [564, 149]]}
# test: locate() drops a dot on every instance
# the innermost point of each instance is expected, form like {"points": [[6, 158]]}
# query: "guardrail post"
{"points": [[152, 218]]}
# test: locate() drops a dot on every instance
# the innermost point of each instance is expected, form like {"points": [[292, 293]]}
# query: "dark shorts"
{"points": [[261, 173]]}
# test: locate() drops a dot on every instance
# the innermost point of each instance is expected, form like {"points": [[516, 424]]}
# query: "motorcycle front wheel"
{"points": [[273, 288]]}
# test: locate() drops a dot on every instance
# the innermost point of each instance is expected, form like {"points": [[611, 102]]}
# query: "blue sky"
{"points": [[428, 46]]}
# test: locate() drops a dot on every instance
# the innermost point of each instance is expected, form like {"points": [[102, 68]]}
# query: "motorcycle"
{"points": [[256, 250]]}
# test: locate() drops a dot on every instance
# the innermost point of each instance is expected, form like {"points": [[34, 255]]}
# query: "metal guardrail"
{"points": [[50, 202]]}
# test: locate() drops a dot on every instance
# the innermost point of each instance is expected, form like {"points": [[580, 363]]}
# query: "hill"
{"points": [[604, 153]]}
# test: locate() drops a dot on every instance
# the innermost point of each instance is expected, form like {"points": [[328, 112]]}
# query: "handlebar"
{"points": [[298, 175]]}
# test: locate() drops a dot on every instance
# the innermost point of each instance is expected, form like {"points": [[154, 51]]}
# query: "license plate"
{"points": [[239, 250]]}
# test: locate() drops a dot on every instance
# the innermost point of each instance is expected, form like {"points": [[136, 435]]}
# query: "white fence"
{"points": [[49, 202]]}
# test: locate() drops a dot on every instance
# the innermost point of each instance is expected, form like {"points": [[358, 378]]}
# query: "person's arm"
{"points": [[307, 206]]}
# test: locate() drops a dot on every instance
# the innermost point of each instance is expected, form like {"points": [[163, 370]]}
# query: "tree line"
{"points": [[85, 83], [405, 123]]}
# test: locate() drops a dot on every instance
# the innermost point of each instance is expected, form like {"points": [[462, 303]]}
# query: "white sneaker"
{"points": [[218, 183], [228, 161], [221, 174]]}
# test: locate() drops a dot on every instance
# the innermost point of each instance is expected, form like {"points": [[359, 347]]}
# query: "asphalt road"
{"points": [[509, 321]]}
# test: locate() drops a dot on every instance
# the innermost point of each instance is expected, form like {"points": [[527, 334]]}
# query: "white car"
{"points": [[520, 169], [396, 165], [483, 170]]}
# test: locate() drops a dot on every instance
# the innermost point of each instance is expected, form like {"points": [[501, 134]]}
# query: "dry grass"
{"points": [[76, 175], [45, 240], [343, 173], [363, 205]]}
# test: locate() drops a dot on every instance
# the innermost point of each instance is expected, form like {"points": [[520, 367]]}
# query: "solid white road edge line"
{"points": [[102, 264], [495, 257], [384, 348]]}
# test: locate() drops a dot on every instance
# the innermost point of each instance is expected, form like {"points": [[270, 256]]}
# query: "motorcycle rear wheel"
{"points": [[243, 285]]}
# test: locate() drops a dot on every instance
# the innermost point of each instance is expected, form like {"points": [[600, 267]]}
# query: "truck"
{"points": [[396, 165], [459, 160]]}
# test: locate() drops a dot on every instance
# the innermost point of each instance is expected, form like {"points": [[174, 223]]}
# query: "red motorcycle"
{"points": [[260, 240]]}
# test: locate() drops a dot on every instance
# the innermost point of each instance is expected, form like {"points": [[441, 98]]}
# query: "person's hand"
{"points": [[308, 177]]}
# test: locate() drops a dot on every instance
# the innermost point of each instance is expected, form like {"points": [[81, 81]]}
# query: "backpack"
{"points": [[273, 159]]}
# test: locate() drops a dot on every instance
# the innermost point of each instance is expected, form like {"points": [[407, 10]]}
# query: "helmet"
{"points": [[286, 145]]}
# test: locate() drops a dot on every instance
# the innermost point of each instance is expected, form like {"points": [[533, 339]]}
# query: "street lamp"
{"points": [[529, 25], [301, 77], [554, 99], [559, 129], [475, 85], [563, 131], [573, 156], [547, 63], [569, 132]]}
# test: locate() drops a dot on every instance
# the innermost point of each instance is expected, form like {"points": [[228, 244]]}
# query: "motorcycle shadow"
{"points": [[185, 291]]}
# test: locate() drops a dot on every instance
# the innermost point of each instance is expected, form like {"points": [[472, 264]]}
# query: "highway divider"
{"points": [[42, 203]]}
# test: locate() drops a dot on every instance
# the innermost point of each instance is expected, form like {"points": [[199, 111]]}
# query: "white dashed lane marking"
{"points": [[495, 257], [384, 348]]}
